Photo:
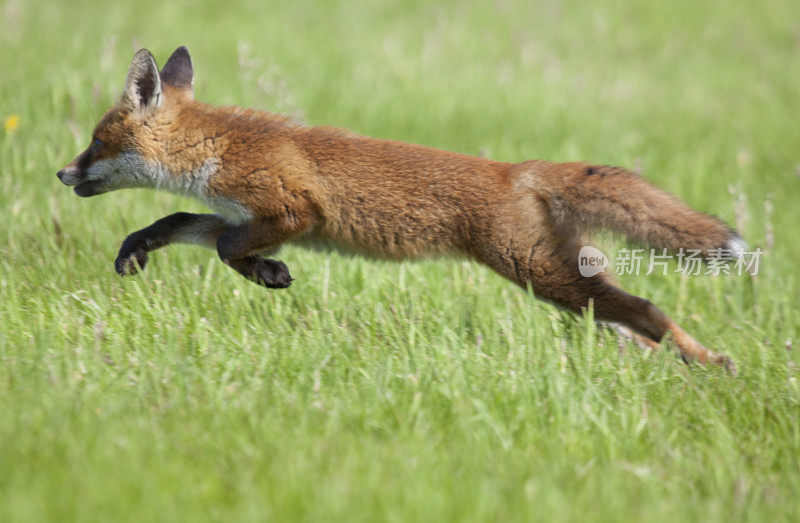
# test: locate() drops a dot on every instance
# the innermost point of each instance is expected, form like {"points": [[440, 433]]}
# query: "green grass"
{"points": [[416, 391]]}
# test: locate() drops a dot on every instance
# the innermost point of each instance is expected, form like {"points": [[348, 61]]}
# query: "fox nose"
{"points": [[68, 175]]}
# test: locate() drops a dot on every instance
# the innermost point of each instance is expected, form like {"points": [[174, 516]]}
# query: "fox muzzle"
{"points": [[69, 175], [74, 175]]}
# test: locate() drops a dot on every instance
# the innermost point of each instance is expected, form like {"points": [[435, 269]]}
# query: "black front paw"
{"points": [[272, 274], [132, 257]]}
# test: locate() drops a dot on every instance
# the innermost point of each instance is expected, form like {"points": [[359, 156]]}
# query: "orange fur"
{"points": [[387, 199]]}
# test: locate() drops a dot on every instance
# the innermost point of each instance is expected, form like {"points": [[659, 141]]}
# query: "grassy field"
{"points": [[425, 391]]}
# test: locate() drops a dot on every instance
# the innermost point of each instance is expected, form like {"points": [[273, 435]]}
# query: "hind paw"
{"points": [[726, 363]]}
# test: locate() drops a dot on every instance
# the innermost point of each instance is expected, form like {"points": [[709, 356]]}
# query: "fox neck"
{"points": [[181, 158], [195, 138], [189, 145], [191, 182], [194, 183]]}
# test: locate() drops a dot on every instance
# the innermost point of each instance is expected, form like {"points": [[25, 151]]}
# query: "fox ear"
{"points": [[142, 86], [178, 72]]}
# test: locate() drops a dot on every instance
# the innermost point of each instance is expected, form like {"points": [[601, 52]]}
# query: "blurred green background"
{"points": [[426, 390]]}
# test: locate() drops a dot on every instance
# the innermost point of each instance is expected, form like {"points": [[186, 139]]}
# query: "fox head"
{"points": [[128, 147]]}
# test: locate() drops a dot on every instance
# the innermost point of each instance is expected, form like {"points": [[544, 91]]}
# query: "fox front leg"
{"points": [[237, 245], [196, 229]]}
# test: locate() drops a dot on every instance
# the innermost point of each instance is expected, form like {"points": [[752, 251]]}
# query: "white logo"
{"points": [[591, 261]]}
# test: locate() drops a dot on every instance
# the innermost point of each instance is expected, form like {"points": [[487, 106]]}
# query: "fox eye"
{"points": [[96, 145]]}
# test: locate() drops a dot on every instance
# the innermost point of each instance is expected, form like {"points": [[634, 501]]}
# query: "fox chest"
{"points": [[233, 211], [199, 184]]}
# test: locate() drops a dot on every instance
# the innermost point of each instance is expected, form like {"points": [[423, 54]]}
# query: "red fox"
{"points": [[271, 181]]}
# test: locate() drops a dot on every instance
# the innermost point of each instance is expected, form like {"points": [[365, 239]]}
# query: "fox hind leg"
{"points": [[645, 319], [625, 334], [550, 268]]}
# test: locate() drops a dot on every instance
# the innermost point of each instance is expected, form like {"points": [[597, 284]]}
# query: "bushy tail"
{"points": [[586, 197]]}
